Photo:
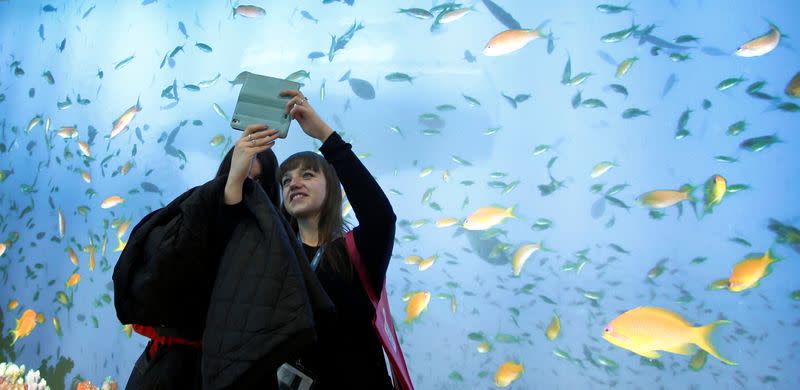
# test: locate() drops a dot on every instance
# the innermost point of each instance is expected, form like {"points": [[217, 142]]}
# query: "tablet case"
{"points": [[259, 102]]}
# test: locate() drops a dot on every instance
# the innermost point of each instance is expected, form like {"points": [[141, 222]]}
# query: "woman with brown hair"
{"points": [[348, 353]]}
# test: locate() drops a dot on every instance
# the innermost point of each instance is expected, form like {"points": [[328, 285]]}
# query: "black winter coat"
{"points": [[252, 296]]}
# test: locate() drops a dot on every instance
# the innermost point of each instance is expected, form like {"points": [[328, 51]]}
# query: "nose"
{"points": [[293, 184]]}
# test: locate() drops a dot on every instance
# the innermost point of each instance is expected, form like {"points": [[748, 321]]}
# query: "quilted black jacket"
{"points": [[252, 295]]}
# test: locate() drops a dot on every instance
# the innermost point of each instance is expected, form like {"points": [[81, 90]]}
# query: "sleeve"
{"points": [[374, 236], [166, 276]]}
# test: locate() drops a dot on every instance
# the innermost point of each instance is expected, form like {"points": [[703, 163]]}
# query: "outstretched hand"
{"points": [[299, 109]]}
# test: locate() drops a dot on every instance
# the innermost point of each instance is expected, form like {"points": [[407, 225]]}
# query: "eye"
{"points": [[308, 174]]}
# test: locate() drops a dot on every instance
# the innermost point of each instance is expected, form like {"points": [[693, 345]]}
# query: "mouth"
{"points": [[292, 197]]}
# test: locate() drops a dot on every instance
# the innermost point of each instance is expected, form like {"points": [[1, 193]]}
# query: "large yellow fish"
{"points": [[25, 325], [112, 201], [747, 273], [646, 330], [661, 199], [427, 262], [521, 255], [762, 44], [507, 373], [486, 217], [124, 120], [417, 304], [510, 41]]}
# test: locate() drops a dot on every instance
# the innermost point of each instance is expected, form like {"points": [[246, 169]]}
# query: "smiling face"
{"points": [[304, 192]]}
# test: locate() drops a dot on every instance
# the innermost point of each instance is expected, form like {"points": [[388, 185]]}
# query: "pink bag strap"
{"points": [[355, 257]]}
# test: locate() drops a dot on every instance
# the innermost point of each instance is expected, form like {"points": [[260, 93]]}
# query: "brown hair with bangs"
{"points": [[331, 223]]}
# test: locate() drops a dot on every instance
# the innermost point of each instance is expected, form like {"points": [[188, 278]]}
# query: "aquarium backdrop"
{"points": [[552, 164]]}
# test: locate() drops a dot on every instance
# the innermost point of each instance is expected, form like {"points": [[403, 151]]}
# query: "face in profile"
{"points": [[304, 192]]}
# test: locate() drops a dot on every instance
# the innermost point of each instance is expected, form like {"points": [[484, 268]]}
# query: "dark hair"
{"points": [[269, 173], [331, 223]]}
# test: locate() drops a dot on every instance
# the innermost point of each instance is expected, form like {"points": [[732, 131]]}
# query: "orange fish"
{"points": [[748, 272], [87, 177], [68, 132], [84, 148], [25, 325], [510, 41], [73, 280], [417, 304], [112, 201], [508, 372], [124, 120], [3, 248], [13, 304]]}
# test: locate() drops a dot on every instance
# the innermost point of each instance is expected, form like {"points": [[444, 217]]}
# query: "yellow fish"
{"points": [[128, 329], [413, 259], [747, 273], [793, 88], [84, 148], [62, 224], [507, 373], [661, 199], [57, 325], [40, 318], [112, 201], [416, 304], [87, 177], [446, 222], [487, 217], [510, 41], [716, 187], [601, 168], [25, 325], [121, 230], [73, 257], [521, 255], [13, 304], [554, 328], [90, 249], [73, 279], [646, 330], [124, 120], [762, 44], [427, 262], [217, 140], [484, 347]]}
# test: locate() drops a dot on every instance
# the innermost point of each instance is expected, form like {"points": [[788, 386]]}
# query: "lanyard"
{"points": [[317, 256]]}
